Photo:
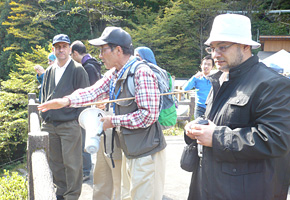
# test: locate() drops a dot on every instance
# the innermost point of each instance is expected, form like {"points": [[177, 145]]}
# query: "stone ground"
{"points": [[176, 181]]}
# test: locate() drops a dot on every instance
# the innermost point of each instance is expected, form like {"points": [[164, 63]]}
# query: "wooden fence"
{"points": [[191, 105], [40, 184]]}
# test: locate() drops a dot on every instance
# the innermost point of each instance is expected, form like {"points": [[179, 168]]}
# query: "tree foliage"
{"points": [[174, 29], [176, 34], [13, 104]]}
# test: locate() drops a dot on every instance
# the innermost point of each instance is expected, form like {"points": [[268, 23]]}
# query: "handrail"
{"points": [[40, 184]]}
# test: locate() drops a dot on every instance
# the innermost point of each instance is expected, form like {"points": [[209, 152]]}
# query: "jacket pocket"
{"points": [[237, 111], [245, 180], [243, 168]]}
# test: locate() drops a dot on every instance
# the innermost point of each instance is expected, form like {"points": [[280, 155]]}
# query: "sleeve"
{"points": [[268, 136], [147, 97], [98, 91], [40, 78], [92, 73], [190, 84], [81, 79]]}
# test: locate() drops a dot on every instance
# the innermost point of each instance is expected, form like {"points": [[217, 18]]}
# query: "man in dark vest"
{"points": [[135, 122], [61, 79]]}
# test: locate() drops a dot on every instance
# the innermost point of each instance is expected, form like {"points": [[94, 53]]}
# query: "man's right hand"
{"points": [[54, 104]]}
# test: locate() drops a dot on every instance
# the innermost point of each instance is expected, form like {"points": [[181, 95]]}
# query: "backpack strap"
{"points": [[131, 75]]}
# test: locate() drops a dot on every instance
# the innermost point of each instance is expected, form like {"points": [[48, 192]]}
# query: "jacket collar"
{"points": [[243, 68]]}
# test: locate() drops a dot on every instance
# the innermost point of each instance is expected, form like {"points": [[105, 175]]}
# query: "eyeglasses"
{"points": [[210, 50], [103, 49]]}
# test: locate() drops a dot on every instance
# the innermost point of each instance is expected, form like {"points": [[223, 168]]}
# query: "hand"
{"points": [[107, 122], [101, 106], [198, 74], [39, 69], [202, 133], [53, 104]]}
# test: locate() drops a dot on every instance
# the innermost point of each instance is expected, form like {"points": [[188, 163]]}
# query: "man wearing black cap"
{"points": [[61, 79], [137, 129]]}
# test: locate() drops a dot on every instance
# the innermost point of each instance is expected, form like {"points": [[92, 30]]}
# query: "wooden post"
{"points": [[32, 108], [191, 108], [191, 105], [40, 182]]}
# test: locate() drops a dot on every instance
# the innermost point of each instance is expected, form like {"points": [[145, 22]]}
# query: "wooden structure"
{"points": [[275, 43], [191, 105], [40, 184]]}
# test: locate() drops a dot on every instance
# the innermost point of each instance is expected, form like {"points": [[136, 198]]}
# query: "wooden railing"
{"points": [[191, 105], [40, 184]]}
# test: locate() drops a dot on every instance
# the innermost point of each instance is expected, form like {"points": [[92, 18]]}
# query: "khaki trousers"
{"points": [[143, 178], [65, 158], [107, 180]]}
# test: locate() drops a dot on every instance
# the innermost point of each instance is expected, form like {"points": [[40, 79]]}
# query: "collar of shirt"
{"points": [[224, 77], [85, 58], [60, 70], [118, 73]]}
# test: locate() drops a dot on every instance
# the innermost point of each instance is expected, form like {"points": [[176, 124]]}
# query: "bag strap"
{"points": [[131, 75], [112, 142]]}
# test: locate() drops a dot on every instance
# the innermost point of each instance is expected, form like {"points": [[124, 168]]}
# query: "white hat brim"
{"points": [[223, 38]]}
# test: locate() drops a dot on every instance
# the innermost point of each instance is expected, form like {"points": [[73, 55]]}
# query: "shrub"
{"points": [[13, 187]]}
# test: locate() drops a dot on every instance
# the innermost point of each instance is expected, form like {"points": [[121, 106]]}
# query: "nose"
{"points": [[100, 55]]}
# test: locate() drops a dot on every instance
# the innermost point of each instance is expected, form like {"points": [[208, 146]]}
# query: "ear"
{"points": [[119, 50], [247, 48]]}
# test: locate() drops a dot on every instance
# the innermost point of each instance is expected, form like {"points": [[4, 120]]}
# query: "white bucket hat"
{"points": [[232, 28]]}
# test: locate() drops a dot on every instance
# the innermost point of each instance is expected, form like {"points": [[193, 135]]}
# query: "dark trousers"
{"points": [[65, 143], [87, 160]]}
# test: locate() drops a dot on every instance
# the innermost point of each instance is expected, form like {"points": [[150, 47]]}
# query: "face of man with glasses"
{"points": [[226, 55]]}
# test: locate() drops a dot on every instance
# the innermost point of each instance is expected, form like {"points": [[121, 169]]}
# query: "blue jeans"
{"points": [[198, 111], [87, 160]]}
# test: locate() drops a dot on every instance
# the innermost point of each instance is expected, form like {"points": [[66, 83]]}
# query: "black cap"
{"points": [[113, 35], [60, 38]]}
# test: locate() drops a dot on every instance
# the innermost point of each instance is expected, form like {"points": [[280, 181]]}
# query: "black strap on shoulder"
{"points": [[113, 133], [112, 145]]}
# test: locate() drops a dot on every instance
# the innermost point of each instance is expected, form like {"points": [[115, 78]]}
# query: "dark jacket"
{"points": [[93, 68], [249, 159], [74, 77], [140, 142]]}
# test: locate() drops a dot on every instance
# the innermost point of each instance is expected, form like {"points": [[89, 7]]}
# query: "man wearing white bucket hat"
{"points": [[247, 141]]}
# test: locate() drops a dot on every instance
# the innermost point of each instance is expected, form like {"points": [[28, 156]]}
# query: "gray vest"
{"points": [[140, 142]]}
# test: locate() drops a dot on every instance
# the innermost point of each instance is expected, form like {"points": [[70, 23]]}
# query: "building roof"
{"points": [[264, 38]]}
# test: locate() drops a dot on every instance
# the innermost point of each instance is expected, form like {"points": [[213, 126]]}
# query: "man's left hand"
{"points": [[107, 122]]}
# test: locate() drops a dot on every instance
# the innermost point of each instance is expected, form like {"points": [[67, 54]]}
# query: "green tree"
{"points": [[176, 34], [13, 104]]}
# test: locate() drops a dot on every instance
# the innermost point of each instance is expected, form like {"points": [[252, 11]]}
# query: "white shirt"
{"points": [[60, 70]]}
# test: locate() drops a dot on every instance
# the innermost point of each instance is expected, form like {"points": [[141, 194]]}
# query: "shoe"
{"points": [[85, 178], [59, 197]]}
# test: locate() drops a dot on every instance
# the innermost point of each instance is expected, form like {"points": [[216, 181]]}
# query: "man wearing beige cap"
{"points": [[246, 144], [135, 122]]}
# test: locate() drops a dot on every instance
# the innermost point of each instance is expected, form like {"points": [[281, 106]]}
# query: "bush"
{"points": [[13, 105], [13, 187], [173, 131]]}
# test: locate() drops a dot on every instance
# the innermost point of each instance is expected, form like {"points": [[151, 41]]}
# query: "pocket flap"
{"points": [[240, 100]]}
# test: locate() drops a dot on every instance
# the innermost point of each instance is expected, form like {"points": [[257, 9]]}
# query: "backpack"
{"points": [[167, 107]]}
